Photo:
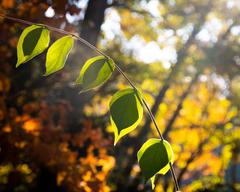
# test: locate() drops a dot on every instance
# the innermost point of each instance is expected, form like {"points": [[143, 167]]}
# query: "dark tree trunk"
{"points": [[90, 30], [46, 181], [94, 17], [235, 152]]}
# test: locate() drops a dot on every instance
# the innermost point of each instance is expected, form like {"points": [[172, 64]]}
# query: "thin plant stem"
{"points": [[61, 31]]}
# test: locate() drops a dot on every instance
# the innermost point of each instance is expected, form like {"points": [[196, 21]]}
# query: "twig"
{"points": [[117, 67]]}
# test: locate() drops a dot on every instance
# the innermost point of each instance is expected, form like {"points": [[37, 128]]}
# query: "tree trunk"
{"points": [[93, 19]]}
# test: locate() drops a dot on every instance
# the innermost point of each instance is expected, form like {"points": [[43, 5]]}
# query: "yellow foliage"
{"points": [[24, 168], [132, 24], [60, 177], [32, 126], [175, 20]]}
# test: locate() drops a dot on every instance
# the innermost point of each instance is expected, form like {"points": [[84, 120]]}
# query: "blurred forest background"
{"points": [[183, 54]]}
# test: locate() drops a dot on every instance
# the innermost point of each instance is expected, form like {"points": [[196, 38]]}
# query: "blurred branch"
{"points": [[180, 104], [192, 158], [181, 56], [211, 129], [182, 53], [184, 95], [196, 154], [176, 113], [124, 5]]}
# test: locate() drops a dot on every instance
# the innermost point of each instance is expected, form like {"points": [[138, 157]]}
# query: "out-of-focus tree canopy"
{"points": [[184, 55]]}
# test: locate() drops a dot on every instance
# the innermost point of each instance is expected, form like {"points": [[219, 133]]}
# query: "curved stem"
{"points": [[117, 67]]}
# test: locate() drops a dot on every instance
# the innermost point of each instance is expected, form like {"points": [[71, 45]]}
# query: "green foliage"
{"points": [[154, 158], [33, 41], [126, 112], [95, 72], [57, 54]]}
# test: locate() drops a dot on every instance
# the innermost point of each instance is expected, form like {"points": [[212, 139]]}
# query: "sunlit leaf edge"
{"points": [[169, 150], [118, 136], [89, 62], [45, 34]]}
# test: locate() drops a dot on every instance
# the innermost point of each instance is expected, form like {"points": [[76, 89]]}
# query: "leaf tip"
{"points": [[78, 81], [48, 72], [116, 139], [18, 63], [153, 182]]}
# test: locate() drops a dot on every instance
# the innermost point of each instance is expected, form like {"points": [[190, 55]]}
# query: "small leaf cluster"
{"points": [[126, 106]]}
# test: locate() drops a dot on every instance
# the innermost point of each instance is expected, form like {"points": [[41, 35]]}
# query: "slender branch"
{"points": [[117, 67]]}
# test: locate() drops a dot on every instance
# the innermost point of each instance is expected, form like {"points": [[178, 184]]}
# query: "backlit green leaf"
{"points": [[95, 72], [57, 54], [33, 41], [126, 112], [154, 158]]}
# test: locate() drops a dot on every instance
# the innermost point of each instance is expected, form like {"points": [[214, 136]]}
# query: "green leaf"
{"points": [[126, 112], [95, 72], [154, 158], [33, 41], [57, 54]]}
